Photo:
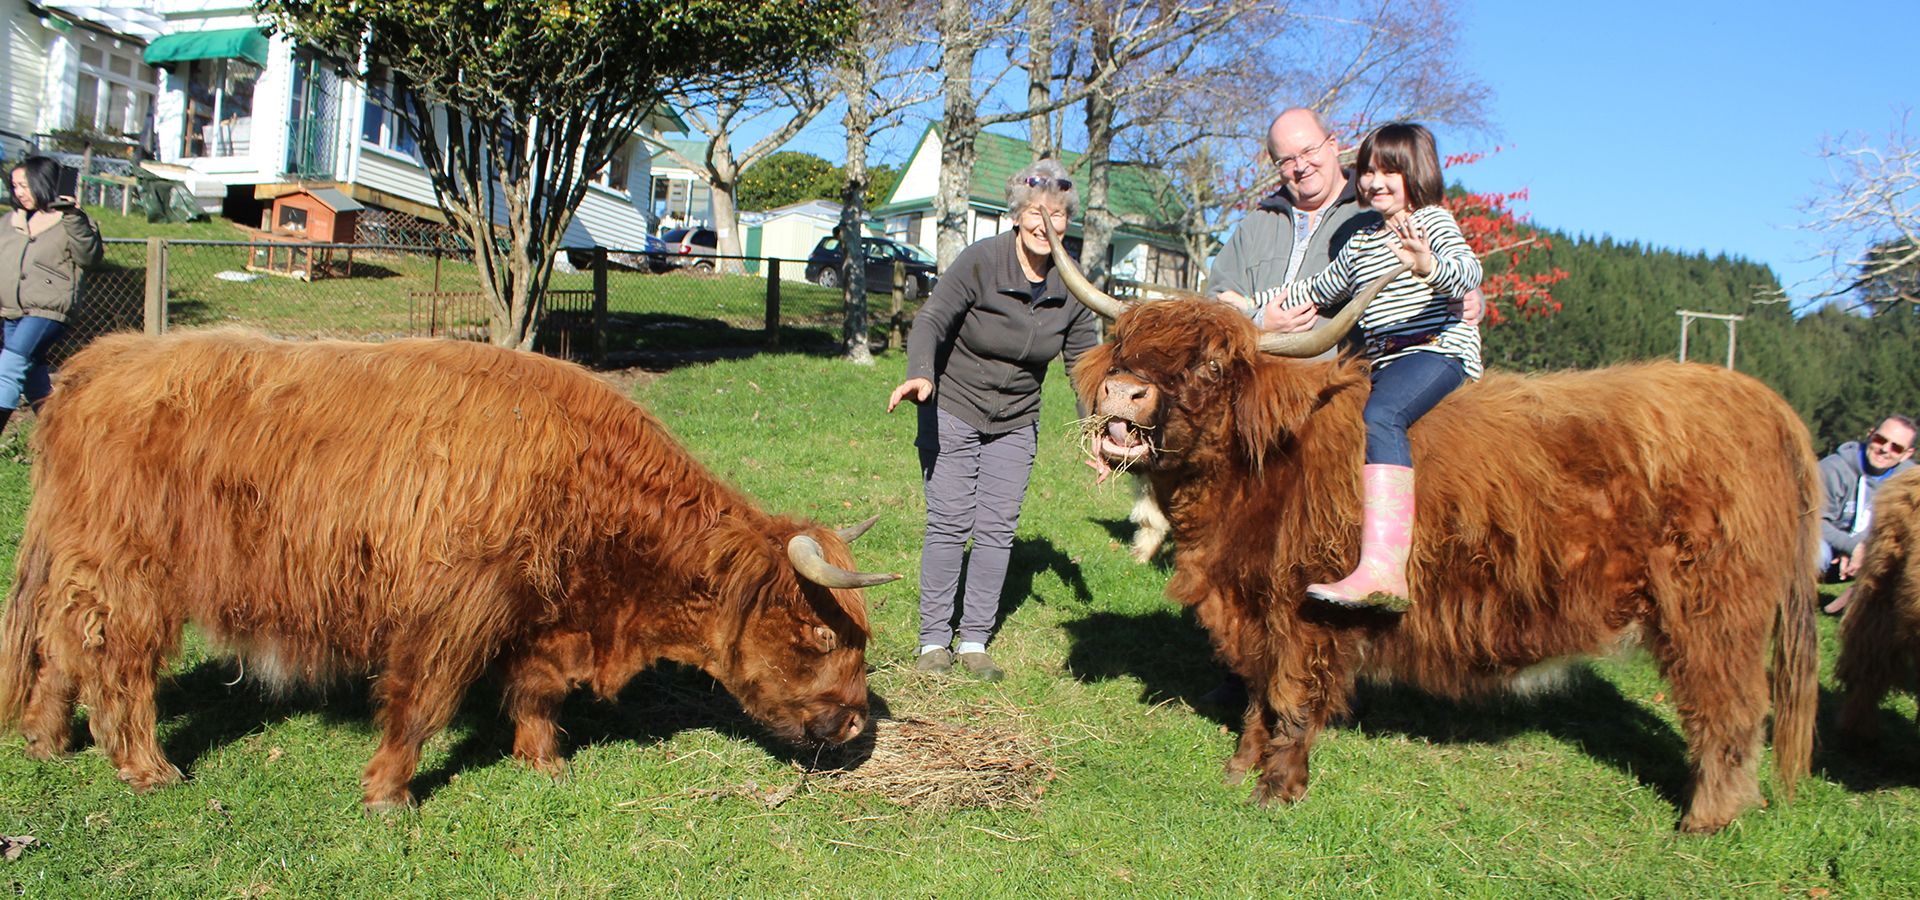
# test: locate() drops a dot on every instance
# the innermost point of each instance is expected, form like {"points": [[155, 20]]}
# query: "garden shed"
{"points": [[300, 219]]}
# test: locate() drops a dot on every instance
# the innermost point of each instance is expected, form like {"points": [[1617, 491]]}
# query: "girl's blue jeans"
{"points": [[1403, 391]]}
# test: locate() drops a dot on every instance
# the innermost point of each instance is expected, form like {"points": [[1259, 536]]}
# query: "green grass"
{"points": [[670, 312], [1573, 794]]}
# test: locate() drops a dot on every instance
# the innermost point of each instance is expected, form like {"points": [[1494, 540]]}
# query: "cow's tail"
{"points": [[1796, 645], [20, 628]]}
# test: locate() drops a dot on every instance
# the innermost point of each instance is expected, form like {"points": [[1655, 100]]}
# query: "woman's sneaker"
{"points": [[938, 661], [981, 665]]}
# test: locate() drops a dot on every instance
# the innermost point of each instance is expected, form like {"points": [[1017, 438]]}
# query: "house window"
{"points": [[618, 170], [113, 87], [219, 106], [681, 198], [384, 125], [985, 225]]}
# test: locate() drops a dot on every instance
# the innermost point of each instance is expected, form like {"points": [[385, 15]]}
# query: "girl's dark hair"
{"points": [[1408, 149], [43, 179]]}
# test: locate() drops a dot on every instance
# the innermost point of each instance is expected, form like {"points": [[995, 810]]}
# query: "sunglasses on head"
{"points": [[1882, 439], [1058, 184]]}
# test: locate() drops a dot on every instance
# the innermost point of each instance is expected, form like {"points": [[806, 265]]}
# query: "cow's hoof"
{"points": [[46, 750], [144, 780], [387, 804], [1691, 824], [551, 766], [1270, 795], [1707, 818]]}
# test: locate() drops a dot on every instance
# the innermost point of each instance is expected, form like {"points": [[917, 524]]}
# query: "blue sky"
{"points": [[1685, 125], [1693, 126]]}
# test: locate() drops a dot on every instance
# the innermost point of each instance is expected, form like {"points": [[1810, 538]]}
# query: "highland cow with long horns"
{"points": [[416, 511], [1558, 515]]}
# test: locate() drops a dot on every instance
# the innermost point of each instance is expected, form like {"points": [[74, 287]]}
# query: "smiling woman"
{"points": [[979, 350]]}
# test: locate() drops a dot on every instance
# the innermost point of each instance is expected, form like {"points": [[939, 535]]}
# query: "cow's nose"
{"points": [[1127, 391], [837, 726]]}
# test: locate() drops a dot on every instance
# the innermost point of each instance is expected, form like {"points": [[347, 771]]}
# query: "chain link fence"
{"points": [[612, 306]]}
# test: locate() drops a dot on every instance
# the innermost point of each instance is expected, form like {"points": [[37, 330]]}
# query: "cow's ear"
{"points": [[819, 637], [1272, 405]]}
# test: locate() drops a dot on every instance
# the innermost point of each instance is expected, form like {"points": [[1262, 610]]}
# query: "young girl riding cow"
{"points": [[1421, 343]]}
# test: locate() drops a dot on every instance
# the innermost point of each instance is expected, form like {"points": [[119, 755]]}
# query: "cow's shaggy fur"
{"points": [[1880, 636], [1558, 515], [415, 510]]}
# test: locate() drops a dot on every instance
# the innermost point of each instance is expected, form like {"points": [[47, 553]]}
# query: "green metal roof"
{"points": [[1131, 187], [692, 149], [227, 43]]}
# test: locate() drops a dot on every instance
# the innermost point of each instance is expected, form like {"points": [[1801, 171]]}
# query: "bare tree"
{"points": [[1204, 130], [1126, 52], [1869, 212], [718, 112], [517, 103], [884, 72]]}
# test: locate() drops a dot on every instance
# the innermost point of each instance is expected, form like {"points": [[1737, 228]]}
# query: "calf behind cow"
{"points": [[1558, 515], [416, 510]]}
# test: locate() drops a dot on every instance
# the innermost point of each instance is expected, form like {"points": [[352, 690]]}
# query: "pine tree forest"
{"points": [[1842, 371]]}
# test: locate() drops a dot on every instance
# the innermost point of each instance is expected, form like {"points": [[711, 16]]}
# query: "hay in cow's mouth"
{"points": [[1092, 432]]}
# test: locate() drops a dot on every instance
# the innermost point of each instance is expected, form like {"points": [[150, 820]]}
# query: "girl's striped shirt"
{"points": [[1411, 315]]}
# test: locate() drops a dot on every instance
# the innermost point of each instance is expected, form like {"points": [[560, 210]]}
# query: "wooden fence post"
{"points": [[599, 306], [773, 302], [899, 297], [156, 296]]}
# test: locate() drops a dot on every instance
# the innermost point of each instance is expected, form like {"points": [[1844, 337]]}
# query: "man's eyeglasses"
{"points": [[1286, 162], [1883, 441], [1058, 184]]}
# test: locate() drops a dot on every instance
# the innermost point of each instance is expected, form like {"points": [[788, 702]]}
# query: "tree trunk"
{"points": [[959, 125], [1040, 21], [726, 211], [1096, 234], [853, 215]]}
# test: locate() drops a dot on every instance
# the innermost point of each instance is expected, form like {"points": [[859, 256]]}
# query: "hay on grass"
{"points": [[940, 765]]}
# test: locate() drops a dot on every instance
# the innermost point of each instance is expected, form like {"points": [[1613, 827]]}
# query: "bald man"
{"points": [[1296, 231]]}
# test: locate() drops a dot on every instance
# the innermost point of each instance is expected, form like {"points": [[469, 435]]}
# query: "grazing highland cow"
{"points": [[1558, 515], [415, 510], [1880, 636]]}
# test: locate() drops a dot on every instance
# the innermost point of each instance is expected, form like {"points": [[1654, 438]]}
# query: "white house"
{"points": [[76, 66], [242, 116], [1137, 254]]}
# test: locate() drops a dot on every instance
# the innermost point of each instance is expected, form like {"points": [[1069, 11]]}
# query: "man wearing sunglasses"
{"points": [[1850, 476], [1295, 232]]}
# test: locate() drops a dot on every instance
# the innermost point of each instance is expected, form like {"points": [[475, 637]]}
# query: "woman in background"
{"points": [[44, 246]]}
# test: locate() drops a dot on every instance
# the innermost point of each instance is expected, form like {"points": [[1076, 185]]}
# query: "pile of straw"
{"points": [[939, 766]]}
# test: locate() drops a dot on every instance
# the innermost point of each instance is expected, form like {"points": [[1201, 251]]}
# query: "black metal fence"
{"points": [[602, 305]]}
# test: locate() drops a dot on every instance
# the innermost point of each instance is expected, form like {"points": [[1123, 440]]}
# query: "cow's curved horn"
{"points": [[805, 554], [852, 533], [1082, 290], [1320, 340]]}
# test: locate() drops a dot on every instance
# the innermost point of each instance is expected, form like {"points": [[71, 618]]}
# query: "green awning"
{"points": [[228, 43]]}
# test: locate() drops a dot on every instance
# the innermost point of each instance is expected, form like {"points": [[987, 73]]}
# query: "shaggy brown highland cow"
{"points": [[416, 511], [1880, 636], [1558, 515]]}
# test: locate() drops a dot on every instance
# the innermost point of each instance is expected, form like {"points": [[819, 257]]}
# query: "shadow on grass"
{"points": [[1028, 558], [205, 710], [1123, 530], [1172, 658], [1887, 762], [671, 339]]}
